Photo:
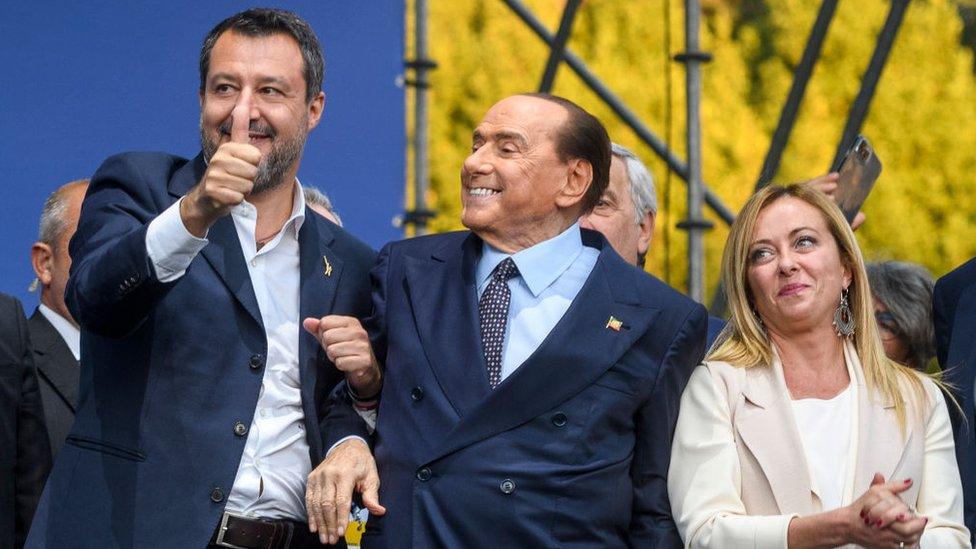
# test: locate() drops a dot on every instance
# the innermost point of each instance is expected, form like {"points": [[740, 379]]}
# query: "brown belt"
{"points": [[241, 532]]}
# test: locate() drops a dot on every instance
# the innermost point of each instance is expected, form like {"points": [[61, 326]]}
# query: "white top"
{"points": [[825, 430], [69, 332], [275, 464]]}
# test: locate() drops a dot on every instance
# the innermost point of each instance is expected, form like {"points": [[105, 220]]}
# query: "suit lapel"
{"points": [[880, 443], [446, 316], [54, 359], [223, 251], [579, 349], [224, 254], [767, 427]]}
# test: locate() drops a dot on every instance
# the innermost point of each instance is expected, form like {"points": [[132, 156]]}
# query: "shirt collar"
{"points": [[539, 265], [67, 330], [247, 210]]}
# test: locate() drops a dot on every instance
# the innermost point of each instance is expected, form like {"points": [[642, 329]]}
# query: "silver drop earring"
{"points": [[843, 317]]}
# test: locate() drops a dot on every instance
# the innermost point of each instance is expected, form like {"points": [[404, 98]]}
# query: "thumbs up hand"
{"points": [[229, 177]]}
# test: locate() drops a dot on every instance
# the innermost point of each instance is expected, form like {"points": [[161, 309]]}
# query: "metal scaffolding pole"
{"points": [[619, 108], [556, 50], [695, 224], [421, 65], [869, 82]]}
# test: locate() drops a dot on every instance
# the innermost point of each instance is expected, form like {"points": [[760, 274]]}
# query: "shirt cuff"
{"points": [[170, 246], [343, 439]]}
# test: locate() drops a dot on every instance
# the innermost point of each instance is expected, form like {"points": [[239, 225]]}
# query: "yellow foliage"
{"points": [[922, 119]]}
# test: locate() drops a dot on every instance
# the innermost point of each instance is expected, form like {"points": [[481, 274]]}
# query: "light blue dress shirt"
{"points": [[551, 273]]}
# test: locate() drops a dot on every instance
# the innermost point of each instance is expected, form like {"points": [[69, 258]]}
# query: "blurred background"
{"points": [[86, 80]]}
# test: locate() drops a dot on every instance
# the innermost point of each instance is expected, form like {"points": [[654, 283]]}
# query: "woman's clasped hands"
{"points": [[879, 518]]}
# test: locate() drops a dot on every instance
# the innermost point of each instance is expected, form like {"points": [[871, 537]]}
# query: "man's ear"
{"points": [[42, 257], [315, 109], [646, 228], [578, 180]]}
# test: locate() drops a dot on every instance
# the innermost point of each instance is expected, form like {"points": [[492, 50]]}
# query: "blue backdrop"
{"points": [[85, 80]]}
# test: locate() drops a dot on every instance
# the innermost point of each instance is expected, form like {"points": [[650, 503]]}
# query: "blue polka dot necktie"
{"points": [[493, 313]]}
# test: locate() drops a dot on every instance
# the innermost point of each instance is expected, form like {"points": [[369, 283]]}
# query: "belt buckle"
{"points": [[223, 529]]}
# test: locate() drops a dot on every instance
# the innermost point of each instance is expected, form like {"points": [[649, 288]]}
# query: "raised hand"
{"points": [[229, 177], [347, 346]]}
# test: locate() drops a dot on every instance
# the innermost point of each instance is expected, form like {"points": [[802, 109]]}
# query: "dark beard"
{"points": [[271, 170]]}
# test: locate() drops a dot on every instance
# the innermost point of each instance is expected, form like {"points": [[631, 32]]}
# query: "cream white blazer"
{"points": [[739, 474]]}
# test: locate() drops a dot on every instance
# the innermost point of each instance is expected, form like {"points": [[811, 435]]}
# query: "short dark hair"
{"points": [[906, 291], [583, 136], [260, 22]]}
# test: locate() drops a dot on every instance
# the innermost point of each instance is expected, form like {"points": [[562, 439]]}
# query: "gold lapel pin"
{"points": [[328, 266], [614, 324]]}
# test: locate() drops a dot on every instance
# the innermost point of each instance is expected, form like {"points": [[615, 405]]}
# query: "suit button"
{"points": [[559, 419], [417, 394], [240, 429], [217, 495], [423, 474], [507, 486], [255, 362]]}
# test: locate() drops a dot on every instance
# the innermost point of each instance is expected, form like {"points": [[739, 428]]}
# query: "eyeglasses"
{"points": [[887, 326]]}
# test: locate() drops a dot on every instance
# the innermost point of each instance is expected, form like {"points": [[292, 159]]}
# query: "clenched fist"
{"points": [[347, 346], [228, 180]]}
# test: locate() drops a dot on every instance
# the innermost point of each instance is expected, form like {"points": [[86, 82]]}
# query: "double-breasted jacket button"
{"points": [[417, 394], [559, 419], [217, 495], [507, 486], [240, 429], [424, 474], [256, 361]]}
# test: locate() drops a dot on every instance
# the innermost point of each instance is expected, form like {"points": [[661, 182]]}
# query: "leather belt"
{"points": [[241, 532]]}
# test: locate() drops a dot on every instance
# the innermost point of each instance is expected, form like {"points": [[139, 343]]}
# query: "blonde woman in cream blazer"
{"points": [[802, 434]]}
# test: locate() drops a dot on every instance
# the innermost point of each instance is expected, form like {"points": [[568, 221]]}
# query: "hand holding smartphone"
{"points": [[857, 174]]}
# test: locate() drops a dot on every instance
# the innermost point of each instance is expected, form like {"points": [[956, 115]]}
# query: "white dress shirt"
{"points": [[69, 333], [275, 464], [551, 274]]}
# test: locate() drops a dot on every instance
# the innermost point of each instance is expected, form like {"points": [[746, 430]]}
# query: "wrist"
{"points": [[194, 221], [366, 389]]}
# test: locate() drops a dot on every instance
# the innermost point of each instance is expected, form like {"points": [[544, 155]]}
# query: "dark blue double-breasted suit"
{"points": [[954, 310], [571, 449], [169, 369]]}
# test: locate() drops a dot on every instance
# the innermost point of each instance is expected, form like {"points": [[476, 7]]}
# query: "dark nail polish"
{"points": [[908, 481], [862, 514], [880, 522]]}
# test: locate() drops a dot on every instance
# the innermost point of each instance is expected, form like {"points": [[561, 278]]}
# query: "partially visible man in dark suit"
{"points": [[201, 400], [954, 312], [532, 376], [625, 215], [25, 457], [54, 333]]}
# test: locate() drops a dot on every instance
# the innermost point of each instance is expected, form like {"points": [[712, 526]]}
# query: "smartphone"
{"points": [[858, 173]]}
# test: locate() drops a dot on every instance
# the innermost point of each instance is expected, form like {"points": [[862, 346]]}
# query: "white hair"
{"points": [[642, 191], [53, 216], [319, 198]]}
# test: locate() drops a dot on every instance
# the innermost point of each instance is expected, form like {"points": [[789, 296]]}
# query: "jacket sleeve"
{"points": [[342, 420], [705, 482], [113, 286], [940, 494], [33, 453], [651, 522]]}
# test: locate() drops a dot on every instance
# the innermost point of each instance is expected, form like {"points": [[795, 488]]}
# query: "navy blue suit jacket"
{"points": [[25, 457], [954, 311], [571, 449], [168, 369]]}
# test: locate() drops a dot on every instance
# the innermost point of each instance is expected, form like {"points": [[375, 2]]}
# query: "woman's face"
{"points": [[894, 344], [795, 271]]}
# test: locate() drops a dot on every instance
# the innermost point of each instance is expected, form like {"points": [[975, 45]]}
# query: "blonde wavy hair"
{"points": [[744, 341]]}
